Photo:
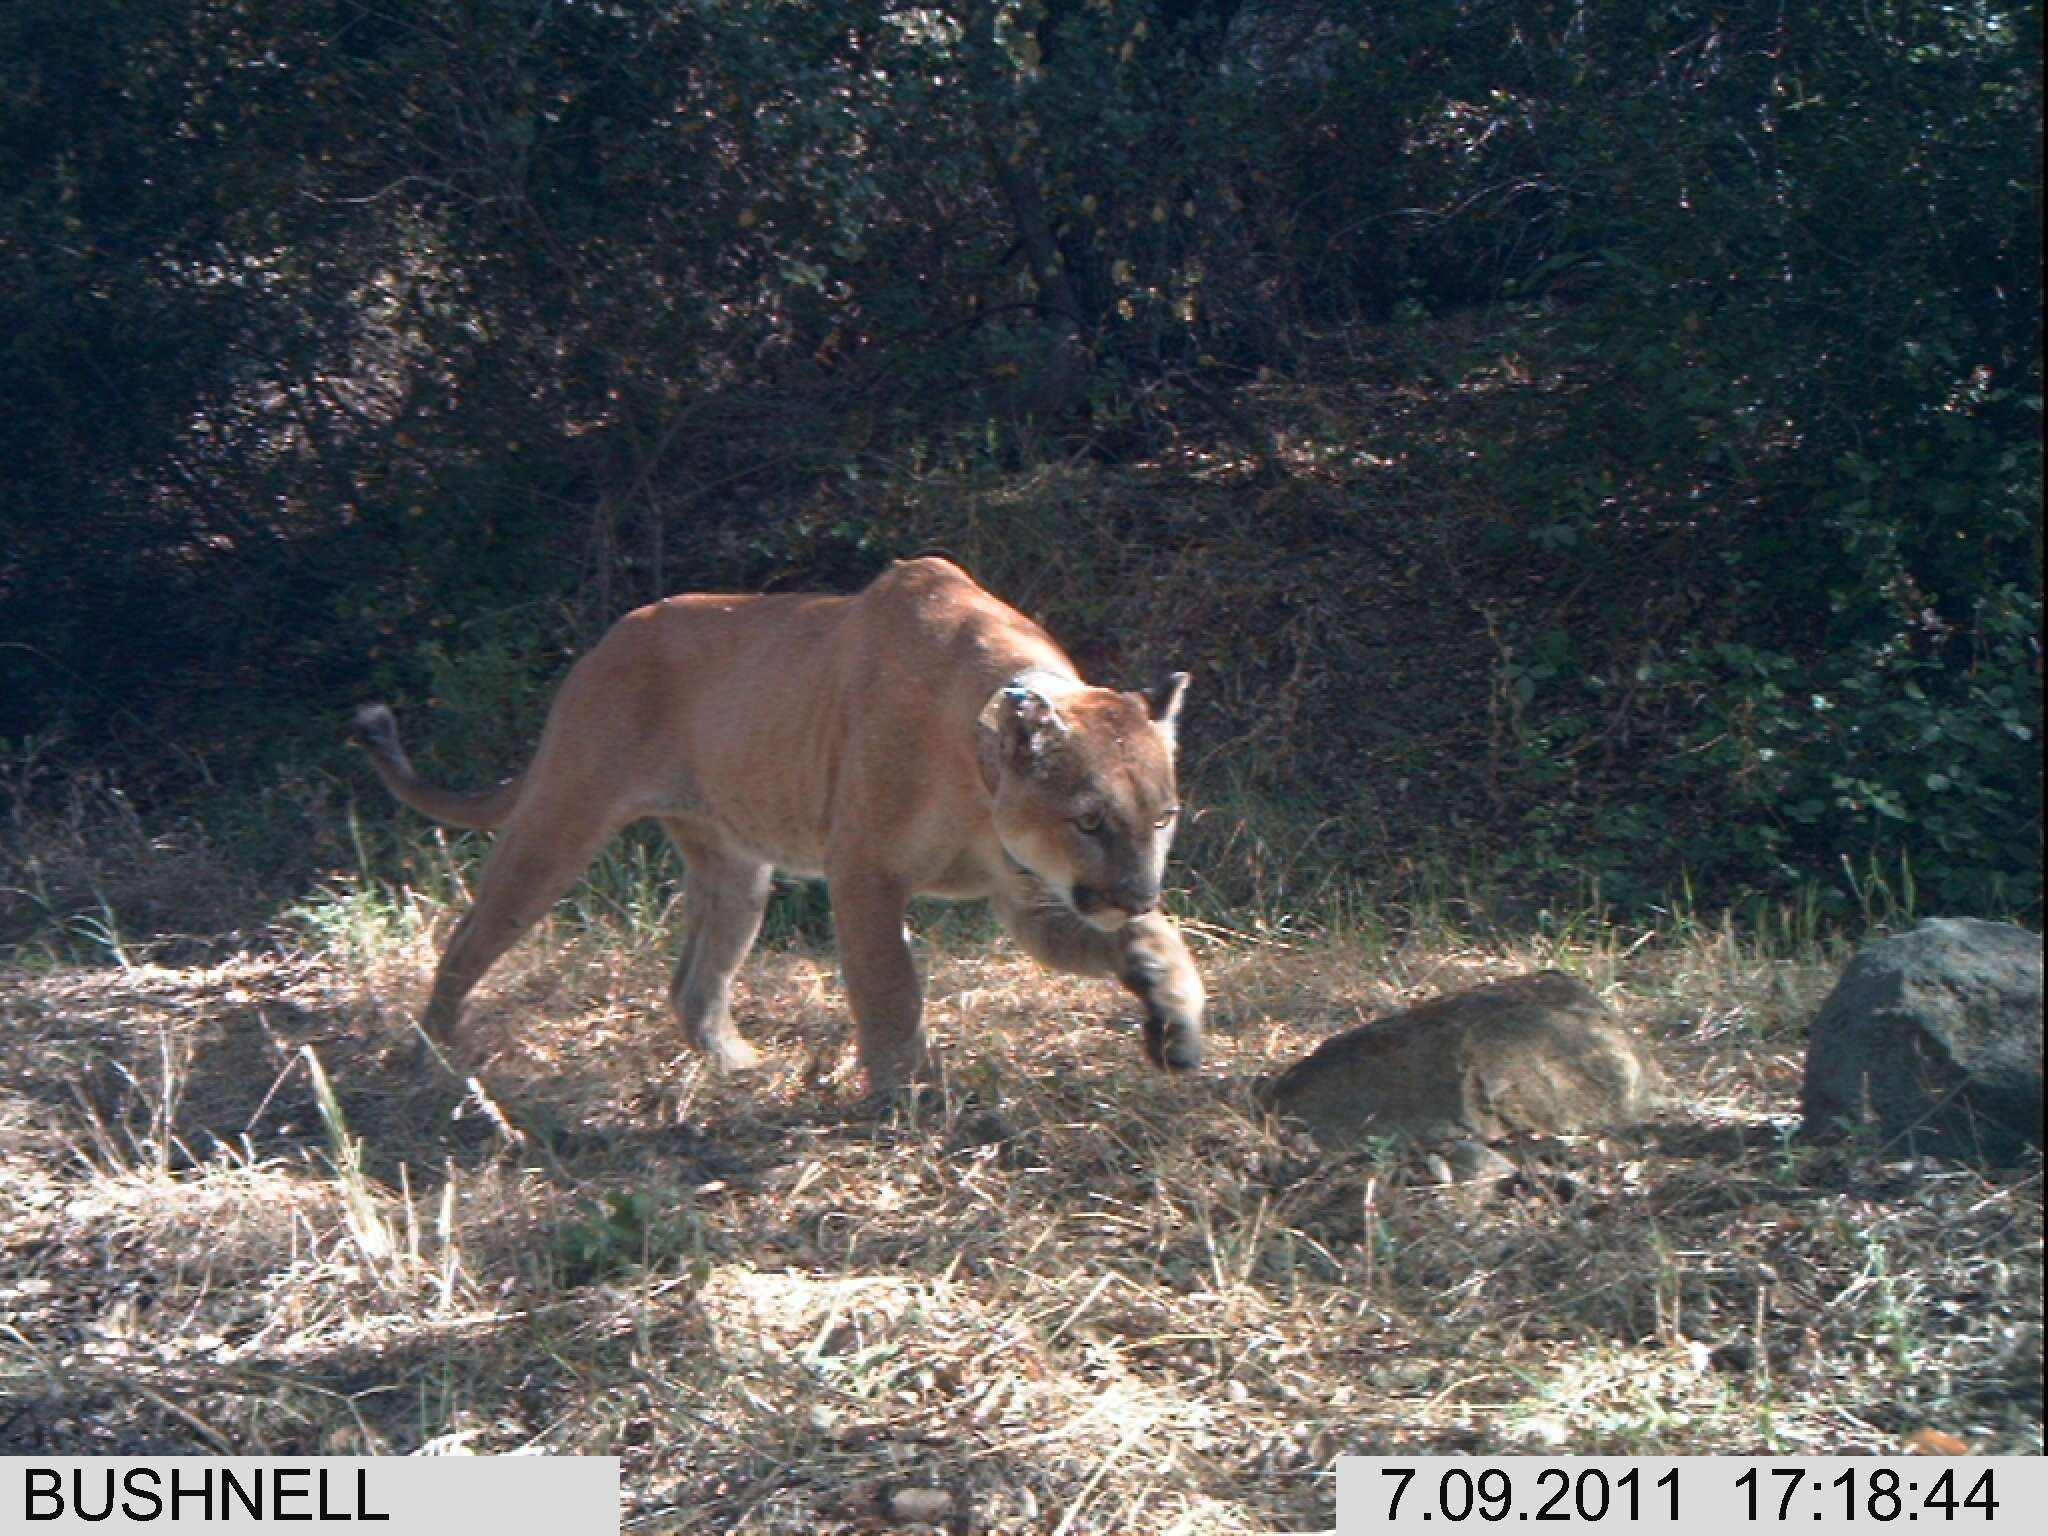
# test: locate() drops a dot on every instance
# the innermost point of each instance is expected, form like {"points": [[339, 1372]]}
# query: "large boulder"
{"points": [[1536, 1054], [1937, 1033]]}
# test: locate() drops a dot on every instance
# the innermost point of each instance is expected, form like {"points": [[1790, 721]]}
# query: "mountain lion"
{"points": [[919, 737]]}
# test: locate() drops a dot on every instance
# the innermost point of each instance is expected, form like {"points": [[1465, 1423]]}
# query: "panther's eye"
{"points": [[1166, 818], [1089, 822]]}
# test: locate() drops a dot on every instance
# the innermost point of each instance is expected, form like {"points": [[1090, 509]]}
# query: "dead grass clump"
{"points": [[85, 879]]}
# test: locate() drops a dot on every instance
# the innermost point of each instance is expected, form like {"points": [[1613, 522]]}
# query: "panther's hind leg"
{"points": [[548, 840], [724, 896]]}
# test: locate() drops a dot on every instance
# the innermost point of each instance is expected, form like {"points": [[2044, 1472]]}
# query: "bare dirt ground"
{"points": [[1066, 1295]]}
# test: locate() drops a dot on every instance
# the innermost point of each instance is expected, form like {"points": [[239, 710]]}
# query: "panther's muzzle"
{"points": [[1114, 905]]}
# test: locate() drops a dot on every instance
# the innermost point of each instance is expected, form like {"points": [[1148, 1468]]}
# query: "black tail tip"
{"points": [[373, 726]]}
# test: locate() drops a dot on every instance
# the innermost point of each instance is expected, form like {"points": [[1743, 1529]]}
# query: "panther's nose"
{"points": [[1137, 900]]}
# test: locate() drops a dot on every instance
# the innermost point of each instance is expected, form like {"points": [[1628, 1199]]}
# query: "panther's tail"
{"points": [[376, 732]]}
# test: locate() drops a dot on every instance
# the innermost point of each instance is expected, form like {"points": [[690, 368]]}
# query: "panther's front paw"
{"points": [[1175, 1044]]}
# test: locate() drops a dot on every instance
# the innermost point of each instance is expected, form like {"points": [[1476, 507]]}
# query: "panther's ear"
{"points": [[1163, 700], [1020, 731]]}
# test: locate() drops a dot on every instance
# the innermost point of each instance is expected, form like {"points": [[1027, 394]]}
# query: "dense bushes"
{"points": [[366, 349]]}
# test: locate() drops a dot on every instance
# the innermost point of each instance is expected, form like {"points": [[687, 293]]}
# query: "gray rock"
{"points": [[1937, 1033], [1535, 1053]]}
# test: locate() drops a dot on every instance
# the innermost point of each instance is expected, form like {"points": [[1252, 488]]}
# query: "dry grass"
{"points": [[1069, 1295]]}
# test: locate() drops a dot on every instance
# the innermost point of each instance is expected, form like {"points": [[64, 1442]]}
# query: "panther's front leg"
{"points": [[1153, 962], [1147, 954], [868, 911]]}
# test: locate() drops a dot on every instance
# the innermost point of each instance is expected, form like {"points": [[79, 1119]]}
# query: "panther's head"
{"points": [[1084, 789]]}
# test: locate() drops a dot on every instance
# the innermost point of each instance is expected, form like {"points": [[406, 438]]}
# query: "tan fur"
{"points": [[920, 737]]}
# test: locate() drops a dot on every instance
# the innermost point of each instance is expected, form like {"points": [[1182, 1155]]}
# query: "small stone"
{"points": [[920, 1506], [1544, 1430], [1736, 1356], [1471, 1161]]}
